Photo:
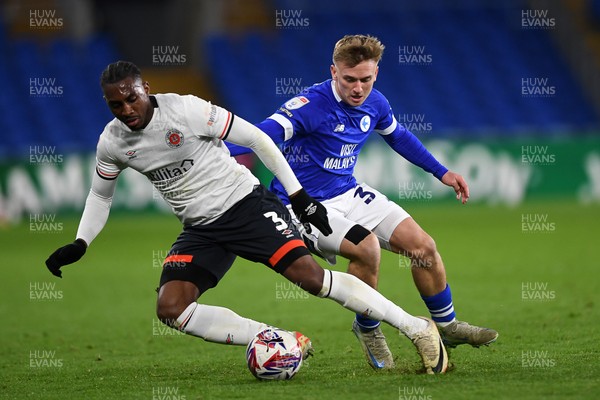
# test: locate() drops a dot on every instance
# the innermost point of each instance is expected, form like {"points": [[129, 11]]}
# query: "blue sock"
{"points": [[366, 324], [440, 306]]}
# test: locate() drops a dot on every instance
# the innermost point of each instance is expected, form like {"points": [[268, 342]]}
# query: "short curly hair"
{"points": [[118, 71], [354, 49]]}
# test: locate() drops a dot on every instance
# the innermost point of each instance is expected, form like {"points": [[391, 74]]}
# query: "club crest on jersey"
{"points": [[296, 102], [365, 123], [174, 138]]}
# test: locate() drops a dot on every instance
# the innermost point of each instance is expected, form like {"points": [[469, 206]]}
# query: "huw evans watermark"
{"points": [[290, 291], [414, 55], [167, 393], [537, 223], [44, 291], [160, 328], [294, 154], [537, 19], [44, 359], [537, 87], [44, 223], [289, 87], [168, 56], [413, 393], [536, 291], [414, 191], [160, 258], [45, 19], [44, 155], [537, 155], [536, 359], [291, 19], [416, 123], [45, 87], [415, 259]]}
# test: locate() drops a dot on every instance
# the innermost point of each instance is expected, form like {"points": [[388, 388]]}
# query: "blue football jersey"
{"points": [[324, 135]]}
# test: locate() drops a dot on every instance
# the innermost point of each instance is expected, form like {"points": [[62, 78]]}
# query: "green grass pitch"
{"points": [[94, 335]]}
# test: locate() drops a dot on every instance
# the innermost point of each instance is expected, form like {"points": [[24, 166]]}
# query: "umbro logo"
{"points": [[339, 128], [131, 154], [310, 210]]}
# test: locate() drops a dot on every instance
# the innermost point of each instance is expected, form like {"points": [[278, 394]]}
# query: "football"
{"points": [[274, 354]]}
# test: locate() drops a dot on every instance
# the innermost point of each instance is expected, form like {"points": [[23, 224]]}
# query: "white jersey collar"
{"points": [[335, 93]]}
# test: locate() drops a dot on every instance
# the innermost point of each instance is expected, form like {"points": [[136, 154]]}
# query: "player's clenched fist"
{"points": [[65, 255], [310, 211]]}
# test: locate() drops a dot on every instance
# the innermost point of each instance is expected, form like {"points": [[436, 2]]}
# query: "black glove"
{"points": [[310, 211], [65, 255]]}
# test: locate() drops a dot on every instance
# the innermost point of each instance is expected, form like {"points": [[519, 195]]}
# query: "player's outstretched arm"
{"points": [[93, 219], [307, 209], [410, 147], [268, 126]]}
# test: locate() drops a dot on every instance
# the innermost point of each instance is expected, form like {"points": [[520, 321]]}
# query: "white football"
{"points": [[274, 354]]}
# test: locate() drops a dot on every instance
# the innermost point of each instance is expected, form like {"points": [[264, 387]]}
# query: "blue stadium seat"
{"points": [[480, 55], [72, 119]]}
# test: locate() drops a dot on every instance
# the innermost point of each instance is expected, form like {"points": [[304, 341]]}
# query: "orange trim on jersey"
{"points": [[283, 250], [178, 258], [225, 128]]}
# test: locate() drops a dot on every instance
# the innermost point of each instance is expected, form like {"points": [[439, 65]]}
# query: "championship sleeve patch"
{"points": [[296, 102]]}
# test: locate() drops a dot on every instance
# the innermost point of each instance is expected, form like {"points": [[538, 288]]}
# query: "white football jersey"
{"points": [[181, 152]]}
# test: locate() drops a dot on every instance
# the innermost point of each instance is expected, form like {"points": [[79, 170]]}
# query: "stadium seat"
{"points": [[472, 86]]}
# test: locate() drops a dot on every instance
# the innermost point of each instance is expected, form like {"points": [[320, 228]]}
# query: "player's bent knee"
{"points": [[428, 246], [425, 249], [168, 310], [369, 249], [173, 298]]}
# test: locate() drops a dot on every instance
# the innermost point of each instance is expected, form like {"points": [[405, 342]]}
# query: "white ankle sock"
{"points": [[218, 324], [355, 295]]}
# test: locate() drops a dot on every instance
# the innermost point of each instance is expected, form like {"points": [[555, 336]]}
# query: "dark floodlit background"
{"points": [[506, 93]]}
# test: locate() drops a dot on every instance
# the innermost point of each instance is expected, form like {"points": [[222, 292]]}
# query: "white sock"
{"points": [[218, 324], [445, 324], [355, 295]]}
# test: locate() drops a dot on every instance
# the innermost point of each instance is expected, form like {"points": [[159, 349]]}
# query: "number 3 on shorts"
{"points": [[279, 223]]}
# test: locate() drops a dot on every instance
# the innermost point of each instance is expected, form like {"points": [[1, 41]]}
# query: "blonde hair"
{"points": [[353, 49]]}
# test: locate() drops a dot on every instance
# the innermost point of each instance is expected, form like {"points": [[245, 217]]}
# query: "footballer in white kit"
{"points": [[177, 143]]}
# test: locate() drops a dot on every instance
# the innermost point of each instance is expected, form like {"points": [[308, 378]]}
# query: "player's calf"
{"points": [[173, 298], [306, 273]]}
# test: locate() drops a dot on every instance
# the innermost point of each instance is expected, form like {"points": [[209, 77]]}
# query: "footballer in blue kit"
{"points": [[321, 132], [331, 134]]}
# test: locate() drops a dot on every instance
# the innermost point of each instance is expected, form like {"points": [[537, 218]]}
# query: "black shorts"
{"points": [[257, 228]]}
